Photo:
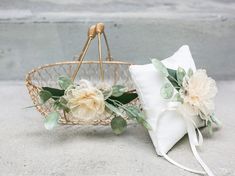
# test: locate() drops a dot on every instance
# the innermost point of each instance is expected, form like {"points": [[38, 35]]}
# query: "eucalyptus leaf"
{"points": [[135, 113], [146, 125], [114, 109], [125, 98], [167, 91], [177, 97], [44, 96], [107, 94], [209, 127], [180, 75], [118, 90], [51, 120], [64, 82], [216, 121], [63, 100], [160, 67], [60, 106], [141, 119], [132, 111], [172, 73], [56, 93], [173, 78], [190, 72], [118, 125]]}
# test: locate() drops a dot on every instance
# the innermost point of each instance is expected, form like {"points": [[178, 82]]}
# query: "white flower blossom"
{"points": [[198, 92], [85, 101]]}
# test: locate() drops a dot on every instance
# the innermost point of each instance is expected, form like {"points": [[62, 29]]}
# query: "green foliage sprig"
{"points": [[174, 88], [117, 103]]}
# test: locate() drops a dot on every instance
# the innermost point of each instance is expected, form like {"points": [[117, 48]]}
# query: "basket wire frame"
{"points": [[111, 72]]}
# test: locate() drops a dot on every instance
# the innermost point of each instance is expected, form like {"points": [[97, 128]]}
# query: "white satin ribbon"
{"points": [[195, 139]]}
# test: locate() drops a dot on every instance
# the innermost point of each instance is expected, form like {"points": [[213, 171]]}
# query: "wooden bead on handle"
{"points": [[92, 31], [100, 27]]}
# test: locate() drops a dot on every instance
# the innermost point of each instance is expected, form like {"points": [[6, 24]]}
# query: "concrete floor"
{"points": [[26, 148]]}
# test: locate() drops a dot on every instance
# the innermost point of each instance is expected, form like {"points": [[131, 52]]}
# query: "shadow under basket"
{"points": [[111, 72]]}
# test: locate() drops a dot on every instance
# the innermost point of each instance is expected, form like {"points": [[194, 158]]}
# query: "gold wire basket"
{"points": [[109, 71]]}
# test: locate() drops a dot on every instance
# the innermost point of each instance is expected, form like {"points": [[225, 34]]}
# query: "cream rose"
{"points": [[199, 91], [85, 102]]}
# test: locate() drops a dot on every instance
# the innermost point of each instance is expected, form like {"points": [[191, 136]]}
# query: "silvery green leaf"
{"points": [[167, 91], [60, 106], [216, 121], [55, 92], [44, 96], [146, 125], [160, 67], [114, 109], [132, 111], [64, 82], [107, 94], [125, 98], [71, 87], [63, 100], [173, 78], [190, 72], [180, 73], [118, 90], [118, 125], [135, 113], [51, 120], [209, 127], [177, 97], [141, 119]]}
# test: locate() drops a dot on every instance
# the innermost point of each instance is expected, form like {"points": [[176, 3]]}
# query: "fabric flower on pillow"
{"points": [[194, 91], [199, 91]]}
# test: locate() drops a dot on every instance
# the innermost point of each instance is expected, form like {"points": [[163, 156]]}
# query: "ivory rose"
{"points": [[199, 91], [85, 101]]}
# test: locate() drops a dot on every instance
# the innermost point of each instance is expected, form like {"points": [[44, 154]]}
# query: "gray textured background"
{"points": [[36, 32]]}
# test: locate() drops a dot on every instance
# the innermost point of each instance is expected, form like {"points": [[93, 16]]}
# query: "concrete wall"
{"points": [[41, 32]]}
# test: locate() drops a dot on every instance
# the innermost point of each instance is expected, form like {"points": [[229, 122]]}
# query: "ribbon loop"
{"points": [[195, 139]]}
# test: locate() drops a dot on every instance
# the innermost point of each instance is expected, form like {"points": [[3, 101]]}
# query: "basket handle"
{"points": [[94, 30], [100, 30]]}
